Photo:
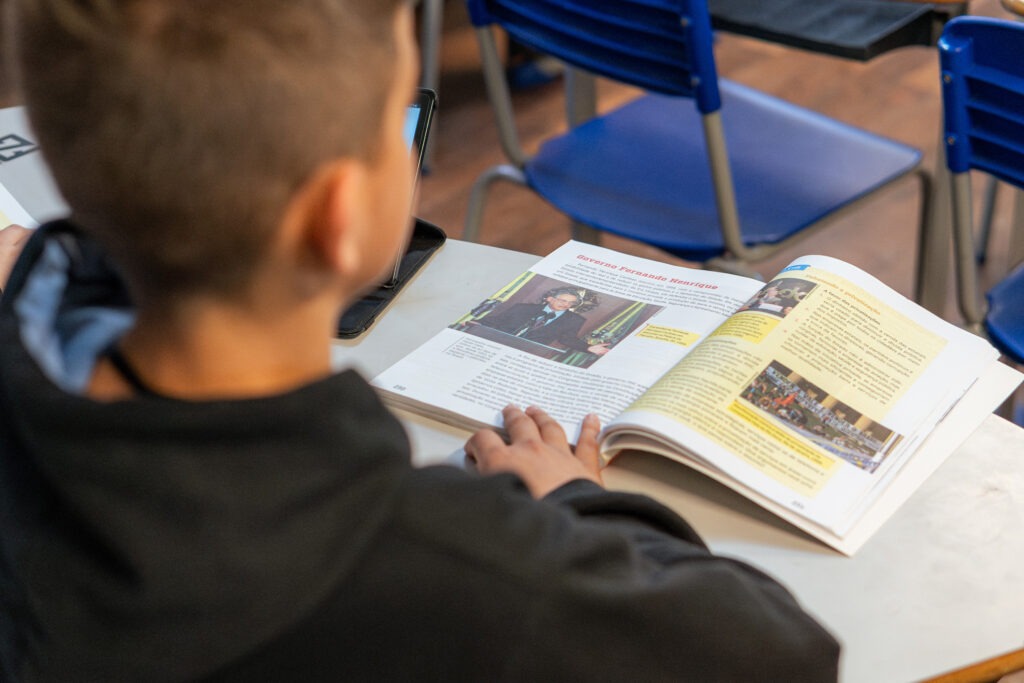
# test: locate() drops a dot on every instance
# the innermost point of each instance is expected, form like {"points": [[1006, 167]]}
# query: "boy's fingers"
{"points": [[550, 431], [482, 446], [519, 426], [14, 233], [586, 447]]}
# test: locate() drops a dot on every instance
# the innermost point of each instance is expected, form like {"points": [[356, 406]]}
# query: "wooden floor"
{"points": [[896, 95]]}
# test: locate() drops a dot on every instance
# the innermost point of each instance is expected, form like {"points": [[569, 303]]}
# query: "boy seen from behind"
{"points": [[188, 491]]}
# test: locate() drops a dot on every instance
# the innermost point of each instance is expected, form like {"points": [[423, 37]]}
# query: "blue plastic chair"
{"points": [[982, 62], [658, 169]]}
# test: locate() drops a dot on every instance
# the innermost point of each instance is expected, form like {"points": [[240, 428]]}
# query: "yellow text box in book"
{"points": [[671, 335]]}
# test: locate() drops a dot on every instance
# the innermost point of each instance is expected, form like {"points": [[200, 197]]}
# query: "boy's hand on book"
{"points": [[538, 451], [12, 239]]}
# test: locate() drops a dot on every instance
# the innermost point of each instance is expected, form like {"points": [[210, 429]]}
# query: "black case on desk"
{"points": [[426, 239]]}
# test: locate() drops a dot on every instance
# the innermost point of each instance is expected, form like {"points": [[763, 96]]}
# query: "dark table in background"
{"points": [[853, 29]]}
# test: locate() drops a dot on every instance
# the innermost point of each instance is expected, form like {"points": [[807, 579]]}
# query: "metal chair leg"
{"points": [[1015, 253], [987, 213], [478, 196], [430, 56], [581, 232], [926, 213], [933, 258]]}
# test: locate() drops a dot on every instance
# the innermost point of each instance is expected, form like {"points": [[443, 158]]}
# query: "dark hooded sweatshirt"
{"points": [[288, 538]]}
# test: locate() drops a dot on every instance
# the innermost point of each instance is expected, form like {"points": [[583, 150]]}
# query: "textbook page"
{"points": [[12, 212], [813, 396], [631, 320]]}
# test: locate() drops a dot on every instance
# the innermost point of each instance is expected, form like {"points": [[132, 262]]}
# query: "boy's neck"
{"points": [[208, 351]]}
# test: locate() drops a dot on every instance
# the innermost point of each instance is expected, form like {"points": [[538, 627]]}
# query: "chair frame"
{"points": [[581, 106], [957, 77]]}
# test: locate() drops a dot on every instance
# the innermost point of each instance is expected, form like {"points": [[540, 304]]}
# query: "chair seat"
{"points": [[1005, 319], [642, 171]]}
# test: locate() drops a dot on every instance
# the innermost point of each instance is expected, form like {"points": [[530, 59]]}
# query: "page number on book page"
{"points": [[13, 146]]}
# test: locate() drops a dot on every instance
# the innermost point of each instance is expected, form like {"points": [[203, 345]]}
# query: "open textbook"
{"points": [[812, 394]]}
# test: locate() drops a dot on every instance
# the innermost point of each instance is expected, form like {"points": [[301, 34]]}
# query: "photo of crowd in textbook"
{"points": [[821, 417], [557, 320]]}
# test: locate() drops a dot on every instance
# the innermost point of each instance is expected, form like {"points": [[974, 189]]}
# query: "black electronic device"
{"points": [[425, 238]]}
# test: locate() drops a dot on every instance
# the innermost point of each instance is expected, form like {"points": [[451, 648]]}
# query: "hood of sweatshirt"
{"points": [[155, 527]]}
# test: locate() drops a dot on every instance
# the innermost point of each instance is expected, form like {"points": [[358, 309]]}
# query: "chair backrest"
{"points": [[982, 62], [661, 45]]}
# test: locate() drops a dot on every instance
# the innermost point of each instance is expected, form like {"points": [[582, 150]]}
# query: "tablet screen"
{"points": [[417, 123]]}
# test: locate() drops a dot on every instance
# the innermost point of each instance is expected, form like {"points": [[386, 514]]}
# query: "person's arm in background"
{"points": [[12, 239]]}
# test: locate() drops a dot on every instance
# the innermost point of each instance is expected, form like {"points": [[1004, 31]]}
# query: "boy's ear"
{"points": [[335, 216]]}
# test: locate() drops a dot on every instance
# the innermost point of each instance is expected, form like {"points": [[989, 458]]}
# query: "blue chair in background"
{"points": [[982, 63], [703, 168]]}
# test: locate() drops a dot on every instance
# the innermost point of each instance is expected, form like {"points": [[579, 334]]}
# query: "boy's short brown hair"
{"points": [[178, 130]]}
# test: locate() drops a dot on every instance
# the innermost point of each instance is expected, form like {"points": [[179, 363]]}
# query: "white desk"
{"points": [[940, 586]]}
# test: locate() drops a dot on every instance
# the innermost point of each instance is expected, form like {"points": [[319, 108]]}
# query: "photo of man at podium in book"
{"points": [[554, 320]]}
